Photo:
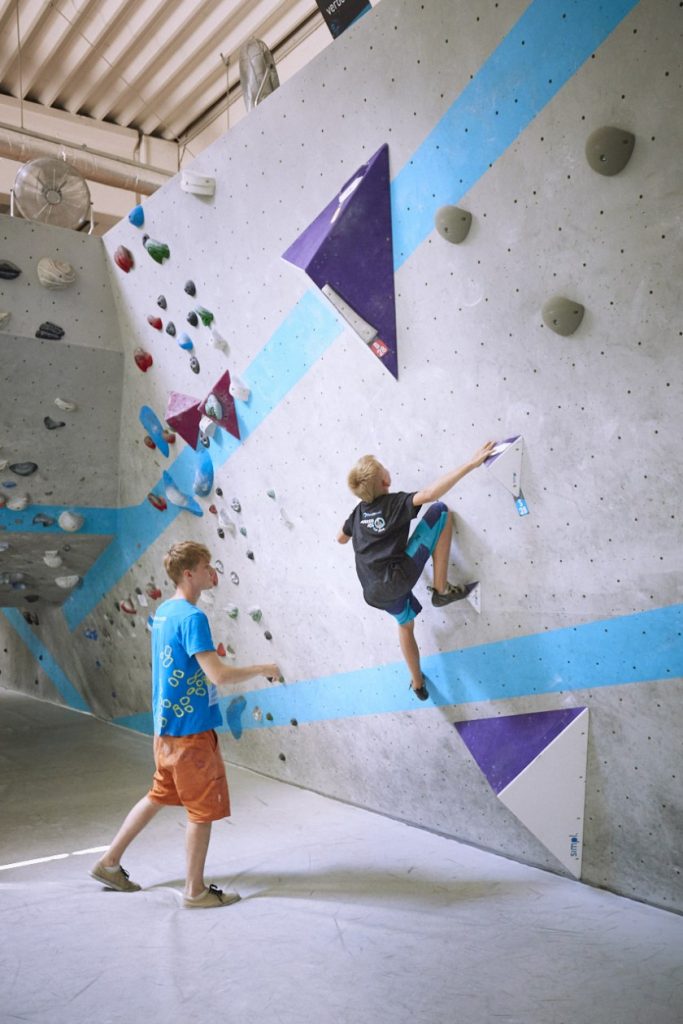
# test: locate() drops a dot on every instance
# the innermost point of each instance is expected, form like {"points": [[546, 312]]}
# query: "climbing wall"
{"points": [[487, 108]]}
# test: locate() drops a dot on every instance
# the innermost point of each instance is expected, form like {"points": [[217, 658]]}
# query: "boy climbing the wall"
{"points": [[388, 563], [189, 768]]}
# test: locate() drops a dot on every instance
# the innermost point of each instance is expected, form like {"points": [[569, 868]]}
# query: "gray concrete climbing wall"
{"points": [[489, 108]]}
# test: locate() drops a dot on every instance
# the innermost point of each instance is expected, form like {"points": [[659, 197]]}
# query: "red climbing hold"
{"points": [[157, 501], [155, 322], [153, 591], [213, 510], [148, 441], [127, 606], [221, 651], [168, 436], [123, 258], [143, 359]]}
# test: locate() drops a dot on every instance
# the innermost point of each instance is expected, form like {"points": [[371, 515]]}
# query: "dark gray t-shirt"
{"points": [[379, 530]]}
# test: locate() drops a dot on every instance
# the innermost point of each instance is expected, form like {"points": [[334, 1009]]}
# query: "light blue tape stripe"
{"points": [[46, 661], [549, 43], [97, 520], [636, 648]]}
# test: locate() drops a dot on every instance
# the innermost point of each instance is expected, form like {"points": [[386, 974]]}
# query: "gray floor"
{"points": [[346, 916]]}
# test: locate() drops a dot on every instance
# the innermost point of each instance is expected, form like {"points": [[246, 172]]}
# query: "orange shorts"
{"points": [[190, 772]]}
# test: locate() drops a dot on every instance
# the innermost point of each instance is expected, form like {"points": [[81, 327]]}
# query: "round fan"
{"points": [[50, 191]]}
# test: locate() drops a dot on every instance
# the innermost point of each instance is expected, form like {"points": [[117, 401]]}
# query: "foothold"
{"points": [[218, 341], [225, 520], [243, 531], [235, 505], [205, 315], [18, 503], [176, 496], [250, 555], [219, 492], [452, 223], [293, 722], [271, 493], [5, 318], [234, 578], [159, 251], [257, 714], [123, 258], [221, 533], [608, 150], [268, 635], [137, 216], [207, 597], [161, 302], [269, 717], [52, 559], [155, 322], [9, 271], [65, 405], [219, 567], [168, 436], [282, 757], [213, 510], [127, 606], [71, 522], [561, 315], [190, 288], [51, 424], [143, 360], [148, 441], [213, 408], [67, 582], [90, 634], [24, 468], [197, 184], [51, 331], [192, 318], [55, 274], [32, 620], [185, 342], [153, 591], [42, 519], [239, 390], [255, 613], [170, 328], [157, 501], [232, 610], [220, 650], [194, 364]]}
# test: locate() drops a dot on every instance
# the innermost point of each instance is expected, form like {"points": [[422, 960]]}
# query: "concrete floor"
{"points": [[347, 917]]}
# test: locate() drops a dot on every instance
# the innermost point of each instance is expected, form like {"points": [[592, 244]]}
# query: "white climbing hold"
{"points": [[197, 184], [5, 318], [239, 390], [65, 405], [55, 274], [225, 520], [208, 598], [70, 521], [3, 464], [52, 559], [213, 408], [207, 426], [218, 341], [18, 502], [67, 582]]}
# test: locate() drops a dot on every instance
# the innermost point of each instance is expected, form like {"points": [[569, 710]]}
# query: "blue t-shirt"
{"points": [[183, 700]]}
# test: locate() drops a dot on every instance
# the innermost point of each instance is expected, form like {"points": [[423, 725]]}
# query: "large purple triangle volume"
{"points": [[349, 247], [505, 745]]}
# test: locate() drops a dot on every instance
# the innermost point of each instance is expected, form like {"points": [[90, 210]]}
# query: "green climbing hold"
{"points": [[159, 251], [205, 315]]}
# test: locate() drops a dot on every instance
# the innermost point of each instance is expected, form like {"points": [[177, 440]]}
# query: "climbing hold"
{"points": [[218, 341], [55, 274], [219, 567], [208, 598], [155, 322], [52, 559], [49, 330], [53, 424], [170, 328], [234, 578], [32, 619], [219, 492], [152, 424], [505, 463], [168, 436], [3, 500], [192, 318], [235, 505], [18, 503], [5, 318], [137, 216], [4, 546], [222, 403], [225, 520], [232, 609], [183, 416], [233, 715], [213, 408], [159, 251], [221, 533], [213, 510], [176, 496], [42, 519], [71, 522], [243, 531], [90, 634], [161, 302], [157, 501], [608, 150], [452, 223], [257, 714], [127, 606], [220, 650], [65, 405], [282, 757], [268, 635], [67, 582], [123, 258], [24, 468], [258, 74], [293, 722], [143, 359], [271, 493], [561, 315], [190, 288], [250, 555], [9, 271], [203, 478], [194, 364], [197, 184], [153, 591], [255, 613], [148, 441], [239, 390], [269, 717], [185, 341], [205, 315]]}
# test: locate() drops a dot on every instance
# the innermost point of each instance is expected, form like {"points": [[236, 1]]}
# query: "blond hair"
{"points": [[186, 555], [364, 478]]}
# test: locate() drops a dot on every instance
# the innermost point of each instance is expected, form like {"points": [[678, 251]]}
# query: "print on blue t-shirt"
{"points": [[183, 700]]}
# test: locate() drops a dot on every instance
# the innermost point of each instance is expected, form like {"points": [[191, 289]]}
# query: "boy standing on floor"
{"points": [[189, 767], [387, 562]]}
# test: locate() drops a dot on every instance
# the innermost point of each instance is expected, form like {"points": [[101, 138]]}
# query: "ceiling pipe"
{"points": [[94, 165]]}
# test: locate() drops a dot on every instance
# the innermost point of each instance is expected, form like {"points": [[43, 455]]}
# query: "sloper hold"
{"points": [[609, 149], [221, 392], [505, 463], [178, 497], [183, 416], [348, 247], [453, 223], [562, 315]]}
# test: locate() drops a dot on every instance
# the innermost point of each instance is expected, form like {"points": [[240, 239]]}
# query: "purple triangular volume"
{"points": [[349, 246], [505, 745]]}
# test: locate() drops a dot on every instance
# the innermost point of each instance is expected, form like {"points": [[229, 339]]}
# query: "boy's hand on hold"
{"points": [[482, 454], [272, 673]]}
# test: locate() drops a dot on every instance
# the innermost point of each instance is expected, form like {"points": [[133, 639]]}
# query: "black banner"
{"points": [[339, 14]]}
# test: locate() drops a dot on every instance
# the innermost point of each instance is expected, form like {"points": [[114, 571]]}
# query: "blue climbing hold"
{"points": [[137, 216]]}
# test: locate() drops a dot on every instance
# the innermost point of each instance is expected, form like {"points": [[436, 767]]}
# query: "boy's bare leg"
{"points": [[197, 836], [442, 554], [411, 653], [136, 819]]}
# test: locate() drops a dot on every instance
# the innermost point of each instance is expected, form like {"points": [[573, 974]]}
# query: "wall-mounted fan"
{"points": [[50, 191]]}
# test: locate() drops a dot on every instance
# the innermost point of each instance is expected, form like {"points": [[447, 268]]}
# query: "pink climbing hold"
{"points": [[123, 258], [143, 359], [155, 322], [220, 394], [183, 415]]}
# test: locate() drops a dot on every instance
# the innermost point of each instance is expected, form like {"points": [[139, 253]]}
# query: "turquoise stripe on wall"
{"points": [[46, 661]]}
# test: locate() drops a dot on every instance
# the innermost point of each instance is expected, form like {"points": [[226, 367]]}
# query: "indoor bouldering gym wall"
{"points": [[460, 222]]}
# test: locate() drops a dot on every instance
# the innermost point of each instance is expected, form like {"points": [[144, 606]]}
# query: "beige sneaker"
{"points": [[114, 878], [212, 897]]}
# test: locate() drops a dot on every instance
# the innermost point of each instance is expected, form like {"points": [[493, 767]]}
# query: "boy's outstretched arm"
{"points": [[343, 538], [444, 483]]}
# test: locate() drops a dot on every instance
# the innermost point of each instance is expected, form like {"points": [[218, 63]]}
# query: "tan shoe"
{"points": [[114, 878], [212, 897]]}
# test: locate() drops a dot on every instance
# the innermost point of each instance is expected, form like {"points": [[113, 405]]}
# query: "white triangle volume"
{"points": [[505, 463]]}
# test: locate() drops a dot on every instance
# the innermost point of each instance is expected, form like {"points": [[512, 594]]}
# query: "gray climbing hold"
{"points": [[170, 328], [52, 558], [452, 223], [271, 493], [191, 288], [42, 519], [51, 331], [234, 578], [24, 468], [561, 315], [219, 567], [161, 302], [53, 424], [192, 318], [250, 555], [243, 530], [235, 505], [9, 271], [194, 364], [608, 150]]}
